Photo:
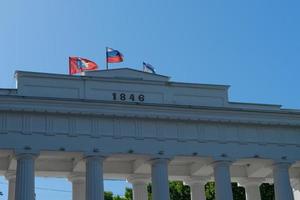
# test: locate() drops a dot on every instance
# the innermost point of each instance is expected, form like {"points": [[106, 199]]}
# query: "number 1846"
{"points": [[128, 97]]}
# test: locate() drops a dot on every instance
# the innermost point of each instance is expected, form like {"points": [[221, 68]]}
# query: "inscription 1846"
{"points": [[128, 97]]}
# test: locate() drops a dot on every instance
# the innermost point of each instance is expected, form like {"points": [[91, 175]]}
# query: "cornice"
{"points": [[121, 80], [146, 110]]}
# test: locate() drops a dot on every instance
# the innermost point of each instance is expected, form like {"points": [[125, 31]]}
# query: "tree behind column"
{"points": [[179, 191]]}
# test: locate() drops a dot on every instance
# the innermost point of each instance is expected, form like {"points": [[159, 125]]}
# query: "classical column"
{"points": [[139, 186], [160, 182], [78, 186], [251, 186], [197, 186], [11, 177], [94, 178], [223, 180], [282, 185], [25, 177]]}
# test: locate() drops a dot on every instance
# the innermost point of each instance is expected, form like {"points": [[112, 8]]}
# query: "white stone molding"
{"points": [[78, 186], [222, 180], [295, 183], [94, 177], [11, 177], [197, 186], [139, 186], [296, 194], [251, 186], [282, 185], [160, 182], [25, 176]]}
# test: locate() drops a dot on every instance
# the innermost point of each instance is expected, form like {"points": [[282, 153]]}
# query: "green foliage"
{"points": [[238, 192], [108, 196], [149, 189], [119, 198], [267, 191], [210, 191], [128, 194], [179, 191]]}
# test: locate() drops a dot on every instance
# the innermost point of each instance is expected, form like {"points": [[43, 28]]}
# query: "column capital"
{"points": [[76, 177], [10, 175], [26, 153], [269, 180], [95, 153], [282, 164], [196, 180], [94, 157], [221, 163], [139, 179], [162, 160], [250, 181]]}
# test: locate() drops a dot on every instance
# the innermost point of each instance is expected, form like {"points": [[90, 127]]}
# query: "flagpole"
{"points": [[106, 58]]}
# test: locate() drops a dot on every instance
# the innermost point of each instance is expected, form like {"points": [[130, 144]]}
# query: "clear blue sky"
{"points": [[252, 45]]}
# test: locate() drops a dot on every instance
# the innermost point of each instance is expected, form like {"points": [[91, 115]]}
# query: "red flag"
{"points": [[78, 65]]}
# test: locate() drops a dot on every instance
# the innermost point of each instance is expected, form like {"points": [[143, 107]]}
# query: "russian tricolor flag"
{"points": [[113, 56]]}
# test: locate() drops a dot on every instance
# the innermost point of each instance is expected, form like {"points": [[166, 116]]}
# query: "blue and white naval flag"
{"points": [[148, 68]]}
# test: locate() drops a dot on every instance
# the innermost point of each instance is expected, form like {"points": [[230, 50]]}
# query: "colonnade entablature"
{"points": [[144, 128]]}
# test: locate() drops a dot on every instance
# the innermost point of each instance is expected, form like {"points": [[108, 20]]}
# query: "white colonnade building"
{"points": [[142, 127]]}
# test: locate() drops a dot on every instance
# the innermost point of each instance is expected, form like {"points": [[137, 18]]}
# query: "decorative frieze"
{"points": [[161, 130], [72, 127], [117, 131], [3, 123], [61, 125], [95, 129], [138, 129], [48, 124], [26, 124]]}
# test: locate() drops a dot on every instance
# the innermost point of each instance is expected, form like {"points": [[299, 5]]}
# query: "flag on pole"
{"points": [[78, 65], [148, 68], [113, 56]]}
